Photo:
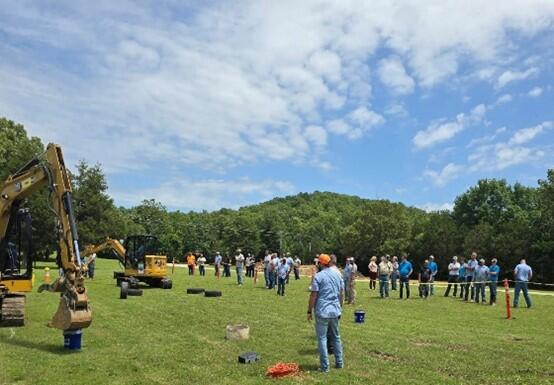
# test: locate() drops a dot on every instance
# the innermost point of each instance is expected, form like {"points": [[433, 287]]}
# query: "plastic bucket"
{"points": [[359, 316], [72, 339]]}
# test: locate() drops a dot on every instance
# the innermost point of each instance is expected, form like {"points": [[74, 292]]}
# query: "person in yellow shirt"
{"points": [[191, 263]]}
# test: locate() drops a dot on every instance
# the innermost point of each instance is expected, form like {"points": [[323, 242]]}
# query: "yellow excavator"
{"points": [[140, 260], [16, 255]]}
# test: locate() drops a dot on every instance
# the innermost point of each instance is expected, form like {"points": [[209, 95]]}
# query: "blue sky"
{"points": [[222, 104]]}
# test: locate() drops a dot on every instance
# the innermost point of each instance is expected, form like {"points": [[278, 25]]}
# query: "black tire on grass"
{"points": [[167, 284], [124, 290], [135, 292], [212, 293], [194, 290]]}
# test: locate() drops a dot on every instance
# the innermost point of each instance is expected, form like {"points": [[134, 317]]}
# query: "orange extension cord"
{"points": [[282, 369]]}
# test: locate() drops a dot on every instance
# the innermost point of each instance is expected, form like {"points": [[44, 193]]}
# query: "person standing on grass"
{"points": [[494, 272], [283, 270], [267, 261], [227, 266], [217, 264], [290, 262], [394, 275], [470, 272], [352, 282], [405, 270], [248, 263], [373, 268], [326, 301], [91, 264], [424, 279], [462, 276], [297, 264], [239, 264], [273, 264], [202, 265], [480, 278], [523, 274], [384, 272], [434, 270], [453, 276], [346, 274], [191, 263]]}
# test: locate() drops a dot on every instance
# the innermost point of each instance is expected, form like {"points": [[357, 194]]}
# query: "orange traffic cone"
{"points": [[46, 277]]}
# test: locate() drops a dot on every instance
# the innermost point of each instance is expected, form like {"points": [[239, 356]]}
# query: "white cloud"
{"points": [[393, 74], [431, 207], [316, 135], [229, 85], [207, 194], [525, 135], [511, 76], [440, 131], [441, 178], [397, 109], [503, 99], [535, 92], [501, 155]]}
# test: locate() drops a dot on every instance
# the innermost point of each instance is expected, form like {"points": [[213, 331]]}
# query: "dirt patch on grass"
{"points": [[456, 348], [384, 356], [516, 338], [423, 344]]}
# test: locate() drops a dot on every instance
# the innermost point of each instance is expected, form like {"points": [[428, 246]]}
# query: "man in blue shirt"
{"points": [[326, 300], [434, 270], [405, 270], [462, 277], [282, 273], [480, 276], [470, 271], [523, 274], [494, 272], [346, 274], [217, 264]]}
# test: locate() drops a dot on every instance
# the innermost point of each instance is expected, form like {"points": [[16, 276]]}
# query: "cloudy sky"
{"points": [[212, 104]]}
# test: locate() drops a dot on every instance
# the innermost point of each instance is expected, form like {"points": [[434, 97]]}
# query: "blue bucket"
{"points": [[359, 316], [72, 339]]}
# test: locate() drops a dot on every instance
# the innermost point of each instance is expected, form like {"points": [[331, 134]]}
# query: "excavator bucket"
{"points": [[67, 318]]}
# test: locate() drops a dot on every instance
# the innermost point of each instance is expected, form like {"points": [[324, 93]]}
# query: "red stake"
{"points": [[508, 309]]}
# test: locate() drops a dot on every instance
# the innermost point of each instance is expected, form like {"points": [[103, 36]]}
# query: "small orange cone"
{"points": [[46, 277]]}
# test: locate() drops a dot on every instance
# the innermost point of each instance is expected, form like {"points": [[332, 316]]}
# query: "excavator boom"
{"points": [[49, 170]]}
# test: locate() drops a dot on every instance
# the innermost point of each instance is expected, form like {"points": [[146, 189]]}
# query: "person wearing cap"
{"points": [[424, 279], [394, 275], [352, 282], [325, 303], [470, 272], [405, 269], [202, 265], [283, 270], [267, 261], [434, 270], [239, 265], [523, 274], [217, 264], [384, 272], [480, 278], [297, 264], [453, 276], [494, 272], [373, 268]]}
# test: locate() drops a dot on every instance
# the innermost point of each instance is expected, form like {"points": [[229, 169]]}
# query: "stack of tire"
{"points": [[207, 293], [128, 291]]}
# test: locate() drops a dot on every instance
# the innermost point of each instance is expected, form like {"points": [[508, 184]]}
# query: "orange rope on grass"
{"points": [[282, 369]]}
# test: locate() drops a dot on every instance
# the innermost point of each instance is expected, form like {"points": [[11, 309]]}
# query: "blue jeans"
{"points": [[384, 285], [480, 291], [322, 326], [469, 287], [492, 288], [239, 275], [405, 283], [394, 279], [521, 286], [271, 278], [281, 286], [266, 276], [202, 269]]}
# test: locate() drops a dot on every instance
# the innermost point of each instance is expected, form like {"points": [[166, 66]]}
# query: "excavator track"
{"points": [[12, 312]]}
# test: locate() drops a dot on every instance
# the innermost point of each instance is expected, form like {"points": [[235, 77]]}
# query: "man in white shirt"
{"points": [[202, 265], [453, 276], [239, 263]]}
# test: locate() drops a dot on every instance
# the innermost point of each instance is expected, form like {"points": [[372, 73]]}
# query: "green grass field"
{"points": [[169, 337]]}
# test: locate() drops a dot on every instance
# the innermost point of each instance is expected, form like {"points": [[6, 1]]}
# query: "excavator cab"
{"points": [[16, 251], [137, 248]]}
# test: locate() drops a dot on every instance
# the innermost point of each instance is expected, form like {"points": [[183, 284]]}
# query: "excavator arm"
{"points": [[108, 244], [49, 170]]}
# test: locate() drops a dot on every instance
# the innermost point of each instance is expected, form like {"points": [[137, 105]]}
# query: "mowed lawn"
{"points": [[169, 337]]}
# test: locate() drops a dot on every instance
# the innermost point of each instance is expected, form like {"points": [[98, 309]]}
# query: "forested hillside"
{"points": [[492, 217]]}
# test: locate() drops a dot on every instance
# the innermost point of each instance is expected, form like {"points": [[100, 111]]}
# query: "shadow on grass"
{"points": [[309, 351], [45, 347]]}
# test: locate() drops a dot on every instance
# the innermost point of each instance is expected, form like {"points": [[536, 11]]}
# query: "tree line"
{"points": [[493, 217]]}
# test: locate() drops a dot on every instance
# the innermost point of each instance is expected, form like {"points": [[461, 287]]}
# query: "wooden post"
{"points": [[507, 290]]}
